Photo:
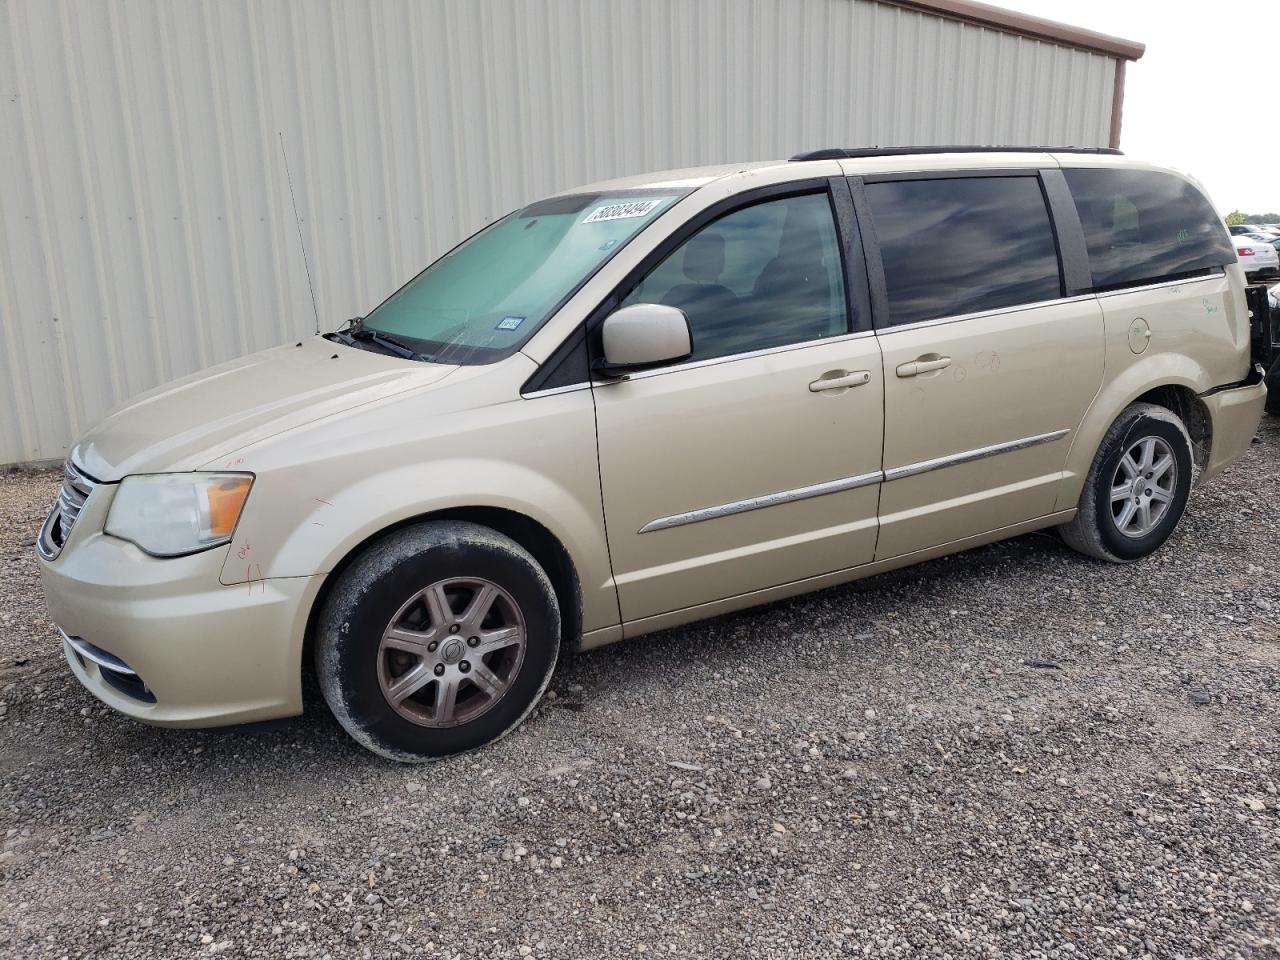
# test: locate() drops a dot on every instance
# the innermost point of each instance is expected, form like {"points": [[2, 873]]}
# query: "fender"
{"points": [[319, 493], [1141, 376]]}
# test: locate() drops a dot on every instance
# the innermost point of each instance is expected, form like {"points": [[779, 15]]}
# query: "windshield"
{"points": [[484, 298]]}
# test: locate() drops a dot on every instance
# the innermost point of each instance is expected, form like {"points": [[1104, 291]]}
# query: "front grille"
{"points": [[76, 487]]}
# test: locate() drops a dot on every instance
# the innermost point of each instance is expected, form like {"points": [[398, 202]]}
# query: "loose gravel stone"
{"points": [[1014, 752]]}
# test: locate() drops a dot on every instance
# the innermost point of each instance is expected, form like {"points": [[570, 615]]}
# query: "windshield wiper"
{"points": [[357, 333]]}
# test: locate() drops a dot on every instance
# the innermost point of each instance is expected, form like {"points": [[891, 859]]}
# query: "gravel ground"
{"points": [[1014, 752]]}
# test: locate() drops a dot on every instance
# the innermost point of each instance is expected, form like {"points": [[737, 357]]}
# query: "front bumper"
{"points": [[1234, 414], [203, 654]]}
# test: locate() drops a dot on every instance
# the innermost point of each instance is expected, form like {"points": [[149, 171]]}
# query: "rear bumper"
{"points": [[164, 641], [1234, 413]]}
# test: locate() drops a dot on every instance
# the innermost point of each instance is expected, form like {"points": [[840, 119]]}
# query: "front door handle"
{"points": [[923, 364], [840, 380]]}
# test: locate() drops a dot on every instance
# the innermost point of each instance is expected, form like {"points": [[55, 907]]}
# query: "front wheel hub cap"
{"points": [[421, 670]]}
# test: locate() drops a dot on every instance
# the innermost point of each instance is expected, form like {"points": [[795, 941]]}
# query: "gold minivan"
{"points": [[647, 402]]}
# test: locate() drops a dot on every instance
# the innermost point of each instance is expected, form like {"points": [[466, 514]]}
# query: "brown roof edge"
{"points": [[1023, 24]]}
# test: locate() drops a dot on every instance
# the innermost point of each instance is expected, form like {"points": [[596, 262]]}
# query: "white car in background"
{"points": [[1257, 256]]}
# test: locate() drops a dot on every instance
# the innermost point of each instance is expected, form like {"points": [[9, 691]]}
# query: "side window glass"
{"points": [[767, 275], [1143, 226], [963, 245]]}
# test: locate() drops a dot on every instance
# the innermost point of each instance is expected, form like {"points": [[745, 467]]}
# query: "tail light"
{"points": [[1244, 251]]}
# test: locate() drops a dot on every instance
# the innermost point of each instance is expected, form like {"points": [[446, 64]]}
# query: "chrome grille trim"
{"points": [[76, 488]]}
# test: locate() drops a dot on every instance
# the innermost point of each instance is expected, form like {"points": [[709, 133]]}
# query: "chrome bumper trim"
{"points": [[100, 657]]}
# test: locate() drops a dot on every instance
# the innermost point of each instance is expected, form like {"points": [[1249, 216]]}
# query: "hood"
{"points": [[186, 424]]}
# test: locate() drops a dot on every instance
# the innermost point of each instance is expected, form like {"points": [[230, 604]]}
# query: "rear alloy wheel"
{"points": [[1137, 487], [1143, 487], [439, 638]]}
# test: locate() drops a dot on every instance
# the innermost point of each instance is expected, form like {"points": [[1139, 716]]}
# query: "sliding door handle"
{"points": [[840, 380], [925, 364]]}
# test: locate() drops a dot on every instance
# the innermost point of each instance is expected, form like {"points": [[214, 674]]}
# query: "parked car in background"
{"points": [[1257, 256], [646, 402], [1245, 229]]}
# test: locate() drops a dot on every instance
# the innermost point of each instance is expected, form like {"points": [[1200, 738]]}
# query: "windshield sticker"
{"points": [[625, 211], [510, 323]]}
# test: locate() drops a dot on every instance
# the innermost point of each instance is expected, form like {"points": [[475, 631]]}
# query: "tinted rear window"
{"points": [[1142, 226], [963, 245]]}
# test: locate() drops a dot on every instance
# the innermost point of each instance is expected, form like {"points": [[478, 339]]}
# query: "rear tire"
{"points": [[439, 638], [1273, 390], [1137, 487]]}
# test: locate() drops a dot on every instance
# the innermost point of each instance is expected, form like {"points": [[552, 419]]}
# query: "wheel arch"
{"points": [[1191, 410], [543, 545], [1177, 390]]}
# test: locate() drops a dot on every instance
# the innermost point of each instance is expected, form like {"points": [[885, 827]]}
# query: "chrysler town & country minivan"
{"points": [[646, 402]]}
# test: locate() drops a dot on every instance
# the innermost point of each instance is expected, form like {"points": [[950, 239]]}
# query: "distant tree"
{"points": [[1235, 217]]}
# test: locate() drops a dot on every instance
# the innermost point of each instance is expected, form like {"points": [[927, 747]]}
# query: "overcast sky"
{"points": [[1204, 98]]}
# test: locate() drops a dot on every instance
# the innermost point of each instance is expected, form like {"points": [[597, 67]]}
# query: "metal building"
{"points": [[147, 228]]}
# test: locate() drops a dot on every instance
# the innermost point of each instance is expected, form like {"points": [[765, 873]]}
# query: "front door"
{"points": [[757, 461], [988, 368]]}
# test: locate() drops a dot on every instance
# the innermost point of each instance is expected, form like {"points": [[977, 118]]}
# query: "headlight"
{"points": [[171, 514]]}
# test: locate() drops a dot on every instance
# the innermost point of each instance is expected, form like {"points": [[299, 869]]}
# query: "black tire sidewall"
{"points": [[1137, 427], [355, 619]]}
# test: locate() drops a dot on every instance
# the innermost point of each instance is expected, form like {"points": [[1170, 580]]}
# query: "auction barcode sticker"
{"points": [[625, 211]]}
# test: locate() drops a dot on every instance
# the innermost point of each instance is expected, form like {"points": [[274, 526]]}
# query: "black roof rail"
{"points": [[842, 153]]}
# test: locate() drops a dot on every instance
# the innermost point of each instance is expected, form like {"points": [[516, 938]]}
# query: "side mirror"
{"points": [[643, 335]]}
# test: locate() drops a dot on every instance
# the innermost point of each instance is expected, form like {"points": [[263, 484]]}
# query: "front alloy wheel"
{"points": [[451, 652], [438, 638]]}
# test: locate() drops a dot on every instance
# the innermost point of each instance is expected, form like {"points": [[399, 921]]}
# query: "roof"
{"points": [[685, 179], [856, 153], [1025, 25]]}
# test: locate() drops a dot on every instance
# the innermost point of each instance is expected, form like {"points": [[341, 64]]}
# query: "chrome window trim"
{"points": [[709, 362], [968, 456], [959, 317], [1213, 275], [553, 391], [100, 657], [749, 354], [848, 483]]}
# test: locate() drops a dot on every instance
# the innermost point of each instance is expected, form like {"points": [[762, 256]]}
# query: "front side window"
{"points": [[1143, 226], [963, 245], [763, 276], [485, 297]]}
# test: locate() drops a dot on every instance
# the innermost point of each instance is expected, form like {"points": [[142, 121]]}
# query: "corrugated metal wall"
{"points": [[146, 228]]}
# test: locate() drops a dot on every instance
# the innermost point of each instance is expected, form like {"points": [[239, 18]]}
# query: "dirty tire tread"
{"points": [[1085, 533], [343, 635]]}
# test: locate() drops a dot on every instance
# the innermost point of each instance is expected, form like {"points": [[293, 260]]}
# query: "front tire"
{"points": [[438, 639], [1137, 487]]}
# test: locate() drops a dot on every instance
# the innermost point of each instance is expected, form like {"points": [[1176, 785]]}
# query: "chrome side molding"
{"points": [[968, 456], [759, 503], [848, 483]]}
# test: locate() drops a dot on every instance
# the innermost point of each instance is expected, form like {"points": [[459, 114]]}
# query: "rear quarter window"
{"points": [[1143, 226]]}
